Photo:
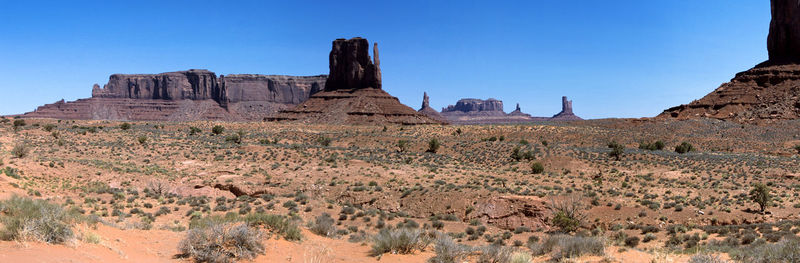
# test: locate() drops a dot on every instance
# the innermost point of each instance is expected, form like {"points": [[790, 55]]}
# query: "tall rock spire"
{"points": [[425, 101]]}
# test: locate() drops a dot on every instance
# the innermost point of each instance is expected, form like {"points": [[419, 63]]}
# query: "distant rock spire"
{"points": [[566, 105], [425, 100], [518, 108]]}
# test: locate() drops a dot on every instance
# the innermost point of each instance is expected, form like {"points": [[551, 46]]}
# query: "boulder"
{"points": [[510, 212]]}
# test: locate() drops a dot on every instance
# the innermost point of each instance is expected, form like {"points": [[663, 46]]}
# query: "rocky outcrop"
{"points": [[186, 95], [566, 113], [428, 111], [761, 94], [350, 65], [783, 42], [475, 107], [511, 212], [518, 112], [353, 93], [770, 91]]}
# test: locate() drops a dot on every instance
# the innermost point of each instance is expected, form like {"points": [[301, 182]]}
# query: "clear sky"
{"points": [[621, 58]]}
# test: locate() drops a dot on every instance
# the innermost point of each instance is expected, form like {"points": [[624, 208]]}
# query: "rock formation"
{"points": [[511, 212], [186, 95], [351, 67], [766, 93], [353, 92], [783, 42], [490, 107], [518, 112], [566, 112], [428, 111]]}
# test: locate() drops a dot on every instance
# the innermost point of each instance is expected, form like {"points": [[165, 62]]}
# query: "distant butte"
{"points": [[766, 93], [490, 111]]}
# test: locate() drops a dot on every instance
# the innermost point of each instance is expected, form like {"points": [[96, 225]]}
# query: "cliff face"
{"points": [[187, 95], [783, 42], [475, 106]]}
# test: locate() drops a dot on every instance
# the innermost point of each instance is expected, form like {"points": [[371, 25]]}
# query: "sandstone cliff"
{"points": [[186, 95]]}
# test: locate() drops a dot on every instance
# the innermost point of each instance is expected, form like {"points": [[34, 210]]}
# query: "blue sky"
{"points": [[620, 58]]}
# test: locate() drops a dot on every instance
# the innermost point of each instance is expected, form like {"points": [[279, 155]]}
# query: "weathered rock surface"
{"points": [[766, 93], [351, 67], [186, 95], [566, 113], [783, 42], [510, 212], [428, 111], [490, 107], [758, 95], [353, 93]]}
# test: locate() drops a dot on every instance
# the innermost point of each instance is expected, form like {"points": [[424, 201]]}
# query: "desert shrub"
{"points": [[18, 124], [448, 251], [565, 246], [234, 138], [125, 126], [49, 127], [684, 147], [783, 251], [217, 129], [402, 145], [142, 140], [537, 168], [324, 226], [616, 150], [567, 213], [760, 195], [521, 257], [194, 130], [706, 258], [433, 145], [797, 148], [324, 141], [25, 219], [20, 149], [398, 241], [222, 242], [632, 241], [275, 223], [495, 254], [657, 145]]}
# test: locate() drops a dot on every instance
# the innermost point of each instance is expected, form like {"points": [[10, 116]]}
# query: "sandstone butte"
{"points": [[490, 111], [353, 92], [766, 93]]}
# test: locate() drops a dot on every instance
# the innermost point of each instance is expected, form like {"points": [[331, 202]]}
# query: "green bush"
{"points": [[324, 141], [448, 251], [25, 219], [125, 126], [222, 242], [684, 147], [537, 168], [402, 145], [18, 124], [217, 130], [567, 213], [142, 140], [194, 130], [797, 148], [49, 127], [433, 145], [760, 194], [616, 150], [658, 145]]}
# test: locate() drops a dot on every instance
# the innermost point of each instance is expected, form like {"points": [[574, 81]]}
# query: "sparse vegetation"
{"points": [[217, 130], [222, 242], [399, 241], [433, 145], [20, 149], [616, 150], [25, 219], [760, 194], [684, 147]]}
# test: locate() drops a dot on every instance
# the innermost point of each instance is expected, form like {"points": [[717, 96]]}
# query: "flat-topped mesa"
{"points": [[783, 42], [351, 67], [195, 84], [475, 105]]}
